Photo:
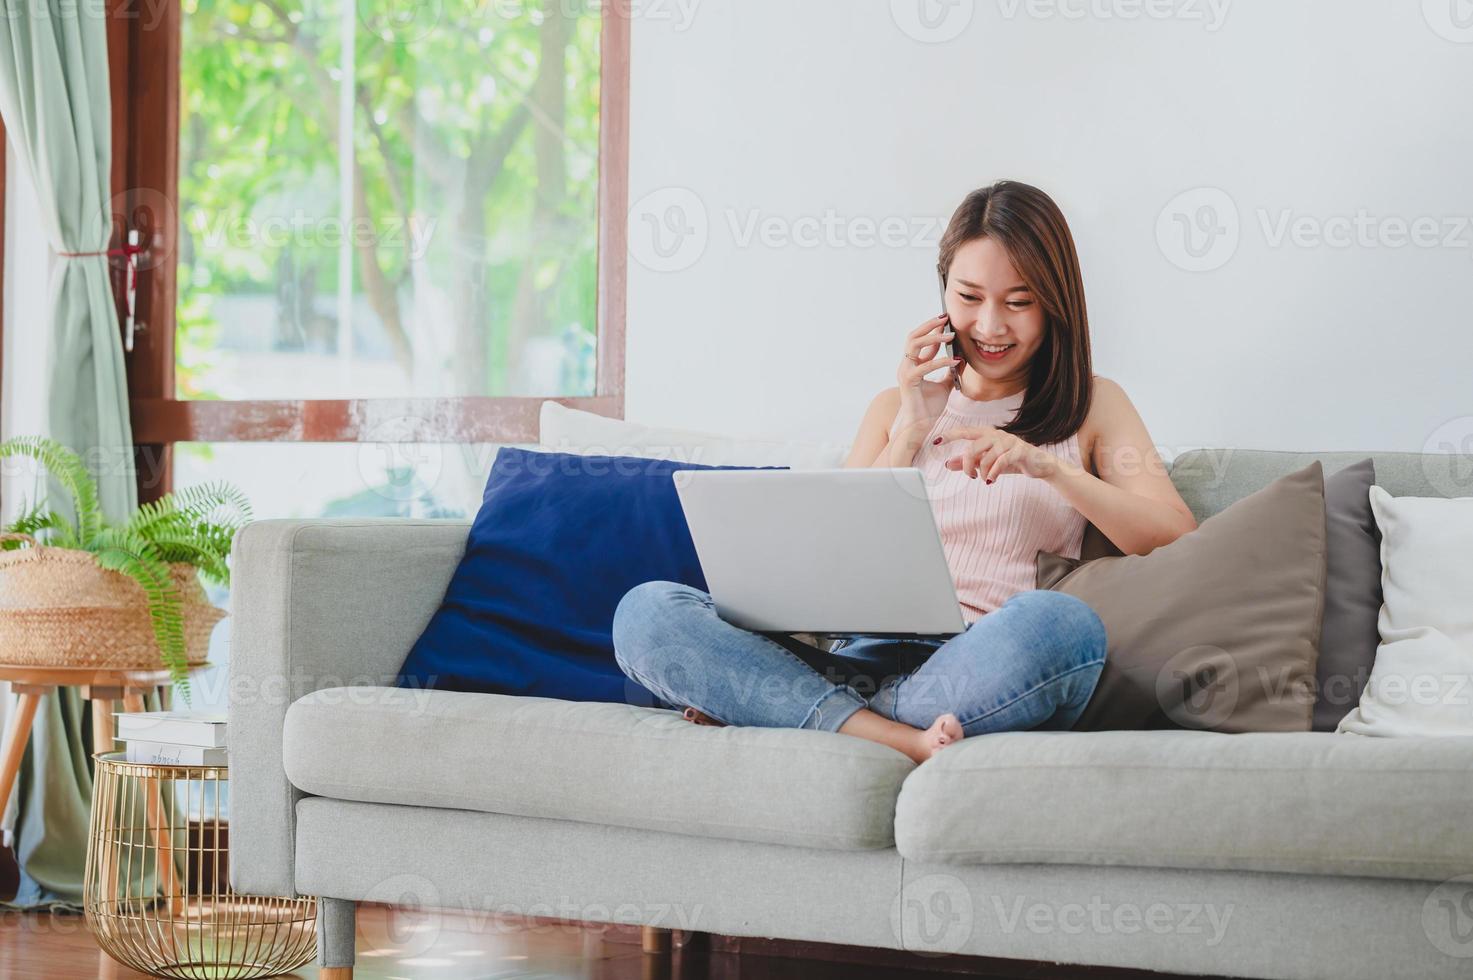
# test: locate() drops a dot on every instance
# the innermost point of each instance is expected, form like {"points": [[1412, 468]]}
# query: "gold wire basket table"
{"points": [[156, 889]]}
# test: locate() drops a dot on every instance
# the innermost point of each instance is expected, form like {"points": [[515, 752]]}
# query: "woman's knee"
{"points": [[1068, 619], [643, 613]]}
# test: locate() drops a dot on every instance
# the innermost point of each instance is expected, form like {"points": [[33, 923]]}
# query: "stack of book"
{"points": [[173, 738]]}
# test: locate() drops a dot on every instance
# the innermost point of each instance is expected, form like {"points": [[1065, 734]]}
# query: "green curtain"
{"points": [[58, 113]]}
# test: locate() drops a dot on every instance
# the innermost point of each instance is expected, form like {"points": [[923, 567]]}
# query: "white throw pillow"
{"points": [[1422, 680], [569, 430]]}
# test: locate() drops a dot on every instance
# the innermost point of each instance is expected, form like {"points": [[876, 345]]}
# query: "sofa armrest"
{"points": [[315, 604]]}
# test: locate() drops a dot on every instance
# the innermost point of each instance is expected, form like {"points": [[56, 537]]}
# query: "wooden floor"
{"points": [[428, 945]]}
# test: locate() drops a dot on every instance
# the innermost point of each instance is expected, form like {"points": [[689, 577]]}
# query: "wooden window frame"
{"points": [[144, 66]]}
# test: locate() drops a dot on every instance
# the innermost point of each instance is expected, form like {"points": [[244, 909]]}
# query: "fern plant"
{"points": [[195, 526]]}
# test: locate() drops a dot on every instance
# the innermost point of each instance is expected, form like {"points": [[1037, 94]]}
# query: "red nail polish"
{"points": [[989, 483], [936, 441]]}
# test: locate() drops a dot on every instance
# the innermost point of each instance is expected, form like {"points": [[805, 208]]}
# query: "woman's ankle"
{"points": [[918, 744]]}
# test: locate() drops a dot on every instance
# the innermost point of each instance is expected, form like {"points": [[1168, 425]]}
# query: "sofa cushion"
{"points": [[1217, 630], [1309, 802], [601, 763]]}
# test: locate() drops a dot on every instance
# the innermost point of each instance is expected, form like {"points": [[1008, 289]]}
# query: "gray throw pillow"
{"points": [[1350, 635], [1218, 630]]}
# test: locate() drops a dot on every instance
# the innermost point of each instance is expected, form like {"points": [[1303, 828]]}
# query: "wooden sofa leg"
{"points": [[655, 940], [337, 929]]}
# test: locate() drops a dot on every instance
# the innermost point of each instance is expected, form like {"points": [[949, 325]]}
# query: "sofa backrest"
{"points": [[1211, 479]]}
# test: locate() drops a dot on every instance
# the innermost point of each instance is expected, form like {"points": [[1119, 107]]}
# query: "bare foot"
{"points": [[943, 731], [919, 744]]}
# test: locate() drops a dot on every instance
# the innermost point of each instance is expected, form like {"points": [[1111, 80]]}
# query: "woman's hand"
{"points": [[992, 452], [925, 351]]}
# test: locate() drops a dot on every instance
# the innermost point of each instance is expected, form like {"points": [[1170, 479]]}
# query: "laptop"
{"points": [[832, 552]]}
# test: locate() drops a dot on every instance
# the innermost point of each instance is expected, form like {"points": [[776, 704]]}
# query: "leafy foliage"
{"points": [[195, 526], [72, 474], [34, 522], [474, 156]]}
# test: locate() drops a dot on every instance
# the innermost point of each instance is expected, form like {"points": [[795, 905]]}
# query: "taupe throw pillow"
{"points": [[1218, 630]]}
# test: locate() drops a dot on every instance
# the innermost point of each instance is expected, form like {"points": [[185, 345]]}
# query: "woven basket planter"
{"points": [[58, 608]]}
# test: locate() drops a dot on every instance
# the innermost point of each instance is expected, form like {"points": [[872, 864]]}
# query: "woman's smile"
{"points": [[991, 352]]}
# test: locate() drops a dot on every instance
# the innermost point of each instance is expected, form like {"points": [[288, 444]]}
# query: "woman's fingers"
{"points": [[1003, 461], [924, 368], [960, 432], [985, 461], [981, 447], [928, 326], [989, 463], [926, 345], [925, 350], [963, 456]]}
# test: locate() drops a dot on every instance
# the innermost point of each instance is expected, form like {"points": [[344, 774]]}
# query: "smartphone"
{"points": [[956, 381]]}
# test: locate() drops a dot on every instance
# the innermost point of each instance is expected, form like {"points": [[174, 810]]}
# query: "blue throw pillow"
{"points": [[558, 541]]}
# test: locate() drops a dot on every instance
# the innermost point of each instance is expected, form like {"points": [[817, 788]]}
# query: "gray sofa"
{"points": [[1260, 855]]}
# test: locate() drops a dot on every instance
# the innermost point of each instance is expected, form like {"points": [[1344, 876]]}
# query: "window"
{"points": [[370, 222]]}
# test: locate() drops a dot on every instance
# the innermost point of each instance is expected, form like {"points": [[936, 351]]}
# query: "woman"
{"points": [[1020, 447]]}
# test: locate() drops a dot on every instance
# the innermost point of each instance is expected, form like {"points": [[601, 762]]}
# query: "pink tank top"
{"points": [[992, 534]]}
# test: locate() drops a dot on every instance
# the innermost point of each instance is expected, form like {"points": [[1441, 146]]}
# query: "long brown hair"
{"points": [[1031, 228]]}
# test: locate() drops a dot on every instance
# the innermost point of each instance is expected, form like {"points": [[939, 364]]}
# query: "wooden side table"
{"points": [[99, 685]]}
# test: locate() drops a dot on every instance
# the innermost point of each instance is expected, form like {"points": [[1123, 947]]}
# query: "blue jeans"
{"points": [[1031, 663]]}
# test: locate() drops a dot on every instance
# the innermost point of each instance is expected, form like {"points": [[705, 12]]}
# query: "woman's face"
{"points": [[989, 304]]}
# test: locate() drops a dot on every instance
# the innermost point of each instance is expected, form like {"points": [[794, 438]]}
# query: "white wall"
{"points": [[1262, 110]]}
